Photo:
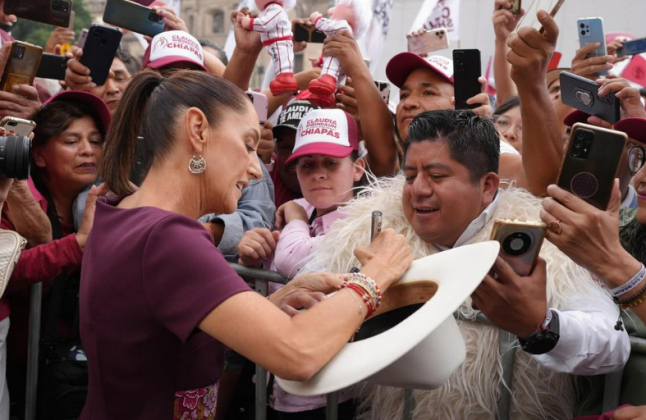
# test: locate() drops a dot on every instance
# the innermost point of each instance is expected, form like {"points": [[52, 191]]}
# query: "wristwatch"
{"points": [[544, 339]]}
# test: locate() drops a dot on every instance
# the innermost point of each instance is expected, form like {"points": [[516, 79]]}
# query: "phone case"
{"points": [[308, 34], [433, 40], [466, 71], [22, 66], [52, 12], [633, 47], [19, 126], [590, 163], [82, 38], [99, 51], [52, 66], [583, 94], [134, 17], [520, 243], [515, 7], [384, 90], [260, 104], [590, 31]]}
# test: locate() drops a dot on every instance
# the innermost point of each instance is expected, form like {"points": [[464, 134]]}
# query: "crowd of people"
{"points": [[143, 190]]}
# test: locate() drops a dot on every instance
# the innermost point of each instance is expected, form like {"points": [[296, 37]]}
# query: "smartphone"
{"points": [[516, 6], [52, 12], [466, 71], [433, 40], [19, 126], [590, 163], [22, 65], [99, 51], [82, 37], [307, 34], [52, 66], [260, 104], [520, 243], [384, 90], [591, 31], [583, 94], [634, 47], [133, 16]]}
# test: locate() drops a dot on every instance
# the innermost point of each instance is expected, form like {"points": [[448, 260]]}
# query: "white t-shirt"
{"points": [[506, 148]]}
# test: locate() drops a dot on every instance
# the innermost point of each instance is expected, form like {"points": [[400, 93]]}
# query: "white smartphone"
{"points": [[19, 126], [260, 104], [384, 90], [429, 41]]}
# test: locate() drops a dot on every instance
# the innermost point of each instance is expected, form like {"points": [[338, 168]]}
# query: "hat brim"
{"points": [[89, 99], [325, 149], [634, 128], [403, 64], [576, 116], [170, 60], [358, 361], [554, 74]]}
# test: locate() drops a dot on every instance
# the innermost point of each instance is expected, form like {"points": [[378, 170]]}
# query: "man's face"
{"points": [[114, 86], [439, 198], [555, 91], [424, 90], [285, 139]]}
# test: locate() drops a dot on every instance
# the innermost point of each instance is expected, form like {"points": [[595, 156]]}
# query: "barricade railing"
{"points": [[507, 347]]}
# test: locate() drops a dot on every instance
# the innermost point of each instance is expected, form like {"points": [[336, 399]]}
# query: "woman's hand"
{"points": [[257, 245], [386, 259], [630, 413], [88, 216], [172, 22], [589, 236], [306, 291], [288, 212]]}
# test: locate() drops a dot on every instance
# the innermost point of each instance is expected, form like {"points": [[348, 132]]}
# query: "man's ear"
{"points": [[490, 184]]}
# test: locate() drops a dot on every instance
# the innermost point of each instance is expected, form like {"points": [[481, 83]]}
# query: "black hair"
{"points": [[129, 61], [508, 105], [473, 141], [210, 44], [149, 109]]}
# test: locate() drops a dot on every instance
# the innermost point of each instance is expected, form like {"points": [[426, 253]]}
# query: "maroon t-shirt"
{"points": [[148, 279]]}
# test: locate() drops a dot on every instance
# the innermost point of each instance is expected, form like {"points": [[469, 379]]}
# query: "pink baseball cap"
{"points": [[635, 128], [171, 48], [329, 132], [403, 64], [86, 98]]}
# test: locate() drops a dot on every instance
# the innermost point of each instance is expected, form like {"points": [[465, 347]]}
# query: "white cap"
{"points": [[174, 47]]}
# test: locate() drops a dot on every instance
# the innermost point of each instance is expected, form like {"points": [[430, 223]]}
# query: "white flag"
{"points": [[230, 44], [373, 41], [439, 14]]}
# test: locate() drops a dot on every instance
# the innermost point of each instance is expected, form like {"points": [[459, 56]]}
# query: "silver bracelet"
{"points": [[631, 284]]}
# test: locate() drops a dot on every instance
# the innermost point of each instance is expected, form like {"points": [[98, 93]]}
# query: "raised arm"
{"points": [[243, 60], [504, 22]]}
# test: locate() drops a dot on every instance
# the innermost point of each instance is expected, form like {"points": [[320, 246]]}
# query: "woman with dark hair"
{"points": [[156, 293], [509, 122], [66, 152]]}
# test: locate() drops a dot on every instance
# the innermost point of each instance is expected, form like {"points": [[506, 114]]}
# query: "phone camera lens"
{"points": [[583, 33], [580, 135], [576, 152], [517, 244], [19, 52], [578, 144], [56, 3], [582, 25]]}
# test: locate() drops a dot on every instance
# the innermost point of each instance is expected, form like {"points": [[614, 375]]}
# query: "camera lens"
{"points": [[580, 135], [583, 33], [15, 157], [578, 144], [19, 52], [517, 244], [56, 3], [576, 152], [582, 25]]}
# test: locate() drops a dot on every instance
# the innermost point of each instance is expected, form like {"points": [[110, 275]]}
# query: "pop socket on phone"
{"points": [[584, 184]]}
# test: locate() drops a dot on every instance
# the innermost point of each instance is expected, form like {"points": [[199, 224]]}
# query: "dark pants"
{"points": [[347, 411]]}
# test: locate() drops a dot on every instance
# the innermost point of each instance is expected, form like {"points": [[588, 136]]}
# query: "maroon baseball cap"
{"points": [[576, 117], [635, 128], [403, 64], [86, 98]]}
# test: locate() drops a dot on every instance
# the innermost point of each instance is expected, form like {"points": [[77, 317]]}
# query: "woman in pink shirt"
{"points": [[328, 166]]}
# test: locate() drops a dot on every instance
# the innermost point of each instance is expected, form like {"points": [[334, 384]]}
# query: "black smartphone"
{"points": [[307, 34], [99, 51], [633, 47], [466, 71], [52, 12], [583, 94], [590, 163], [516, 7], [133, 16], [52, 66]]}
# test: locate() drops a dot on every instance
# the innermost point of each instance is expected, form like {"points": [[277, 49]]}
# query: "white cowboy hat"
{"points": [[422, 350]]}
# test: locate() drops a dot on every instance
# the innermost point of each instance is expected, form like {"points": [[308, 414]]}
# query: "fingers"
{"points": [[26, 91], [506, 274], [569, 200], [550, 29], [585, 50], [594, 120], [613, 85], [615, 199]]}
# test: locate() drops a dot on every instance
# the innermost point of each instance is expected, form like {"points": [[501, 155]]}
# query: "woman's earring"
{"points": [[197, 165]]}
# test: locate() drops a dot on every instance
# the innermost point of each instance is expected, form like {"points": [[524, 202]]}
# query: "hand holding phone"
{"points": [[18, 126], [634, 47], [424, 42], [583, 94], [520, 243], [99, 51], [22, 65], [134, 17], [591, 32]]}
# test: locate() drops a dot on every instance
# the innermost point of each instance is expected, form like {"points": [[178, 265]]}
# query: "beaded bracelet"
{"points": [[630, 284], [632, 301], [365, 295], [366, 288], [362, 278]]}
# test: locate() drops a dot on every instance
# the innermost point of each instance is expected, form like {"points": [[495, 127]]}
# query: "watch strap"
{"points": [[543, 340]]}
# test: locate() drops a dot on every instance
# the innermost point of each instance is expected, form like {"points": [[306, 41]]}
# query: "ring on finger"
{"points": [[555, 227]]}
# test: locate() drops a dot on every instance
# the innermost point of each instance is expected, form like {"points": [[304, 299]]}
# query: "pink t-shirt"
{"points": [[148, 279]]}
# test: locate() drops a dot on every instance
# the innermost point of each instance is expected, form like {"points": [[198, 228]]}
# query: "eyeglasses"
{"points": [[636, 157], [503, 124]]}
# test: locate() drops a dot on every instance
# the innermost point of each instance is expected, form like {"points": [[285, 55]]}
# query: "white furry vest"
{"points": [[472, 392]]}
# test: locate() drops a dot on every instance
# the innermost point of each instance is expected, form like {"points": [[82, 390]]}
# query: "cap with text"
{"points": [[328, 132], [402, 65], [174, 49]]}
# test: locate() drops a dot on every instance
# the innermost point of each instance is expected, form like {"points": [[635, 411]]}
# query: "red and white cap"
{"points": [[403, 64], [329, 132], [174, 49]]}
